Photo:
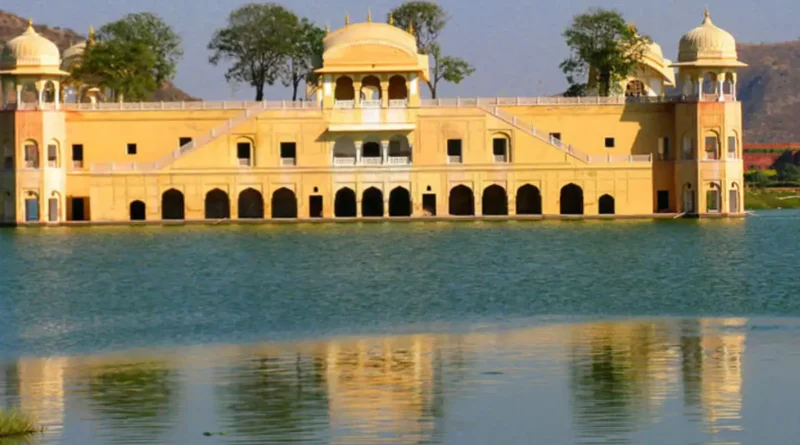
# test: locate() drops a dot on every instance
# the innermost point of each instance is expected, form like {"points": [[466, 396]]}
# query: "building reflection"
{"points": [[41, 389]]}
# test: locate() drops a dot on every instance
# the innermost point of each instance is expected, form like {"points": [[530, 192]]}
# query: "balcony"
{"points": [[344, 104], [371, 161], [52, 163], [454, 159], [288, 162], [31, 164], [398, 103], [371, 103], [345, 161], [399, 160]]}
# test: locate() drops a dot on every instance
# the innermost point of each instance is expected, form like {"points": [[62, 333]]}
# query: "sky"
{"points": [[514, 45]]}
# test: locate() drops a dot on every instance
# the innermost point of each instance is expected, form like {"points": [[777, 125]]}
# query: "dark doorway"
{"points": [[429, 204], [137, 211], [495, 201], [606, 205], [344, 205], [371, 150], [462, 201], [529, 200], [284, 204], [315, 206], [251, 204], [400, 202], [32, 209], [78, 209], [571, 200], [662, 201], [218, 205], [52, 211], [172, 205], [372, 203]]}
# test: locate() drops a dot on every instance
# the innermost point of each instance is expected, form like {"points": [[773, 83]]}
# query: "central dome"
{"points": [[30, 50], [707, 42]]}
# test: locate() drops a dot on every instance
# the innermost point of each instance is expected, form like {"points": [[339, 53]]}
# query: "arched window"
{"points": [[400, 202], [49, 93], [345, 203], [688, 198], [244, 152], [371, 91], [344, 89], [495, 201], [529, 200], [688, 149], [172, 205], [571, 200], [251, 204], [371, 149], [462, 201], [399, 149], [284, 204], [606, 205], [712, 146], [733, 146], [372, 203], [713, 198], [53, 154], [31, 207], [138, 211], [344, 151], [635, 88], [710, 86], [31, 154], [733, 199], [218, 205], [398, 89], [501, 148]]}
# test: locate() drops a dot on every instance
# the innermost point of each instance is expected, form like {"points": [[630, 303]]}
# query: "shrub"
{"points": [[17, 423]]}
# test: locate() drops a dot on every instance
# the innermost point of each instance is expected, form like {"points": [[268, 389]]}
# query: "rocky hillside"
{"points": [[12, 25], [770, 91]]}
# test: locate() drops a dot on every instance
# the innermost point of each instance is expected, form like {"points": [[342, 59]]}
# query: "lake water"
{"points": [[653, 332]]}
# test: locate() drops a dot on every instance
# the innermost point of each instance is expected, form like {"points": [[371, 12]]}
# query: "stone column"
{"points": [[57, 86], [721, 87], [733, 86], [359, 144], [700, 82], [384, 94], [357, 93], [19, 95], [384, 152], [512, 205], [477, 202], [385, 206]]}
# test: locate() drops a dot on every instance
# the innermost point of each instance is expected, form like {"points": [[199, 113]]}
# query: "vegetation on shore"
{"points": [[771, 198], [17, 423]]}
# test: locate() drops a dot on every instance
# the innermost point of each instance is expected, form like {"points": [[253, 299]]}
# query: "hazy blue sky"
{"points": [[515, 45]]}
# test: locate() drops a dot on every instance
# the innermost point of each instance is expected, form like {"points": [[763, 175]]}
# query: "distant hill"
{"points": [[12, 25], [770, 91]]}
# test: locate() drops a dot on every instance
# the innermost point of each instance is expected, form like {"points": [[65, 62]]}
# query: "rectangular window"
{"points": [[663, 200], [731, 147], [183, 141], [243, 150], [131, 149], [288, 150], [711, 148], [555, 136], [499, 146], [52, 152], [609, 142], [31, 156], [665, 149], [77, 152], [454, 147]]}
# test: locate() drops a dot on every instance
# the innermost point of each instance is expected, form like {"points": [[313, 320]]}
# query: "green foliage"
{"points": [[428, 20], [258, 40], [304, 56], [770, 198], [132, 56], [17, 423], [603, 51], [788, 172]]}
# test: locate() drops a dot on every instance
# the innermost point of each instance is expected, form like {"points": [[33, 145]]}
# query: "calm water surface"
{"points": [[444, 333]]}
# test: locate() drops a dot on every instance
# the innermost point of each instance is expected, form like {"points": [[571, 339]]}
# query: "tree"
{"points": [[305, 55], [604, 50], [428, 20], [132, 57], [258, 40]]}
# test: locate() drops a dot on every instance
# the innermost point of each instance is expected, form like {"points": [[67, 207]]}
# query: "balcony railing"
{"points": [[500, 159], [245, 162], [371, 103], [52, 163], [371, 161], [288, 162], [454, 159], [344, 104], [398, 103], [31, 164], [77, 164], [399, 160], [344, 161]]}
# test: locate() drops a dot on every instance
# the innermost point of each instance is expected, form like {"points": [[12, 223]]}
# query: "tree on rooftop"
{"points": [[305, 55], [428, 19], [132, 57], [603, 51], [257, 41]]}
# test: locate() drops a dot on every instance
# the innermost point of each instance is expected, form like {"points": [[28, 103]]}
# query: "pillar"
{"points": [[477, 201], [57, 86], [734, 82], [699, 92], [19, 96], [384, 93], [359, 144], [384, 152], [357, 93], [512, 204], [385, 206], [721, 87]]}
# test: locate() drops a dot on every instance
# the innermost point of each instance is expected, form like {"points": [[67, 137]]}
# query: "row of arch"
{"points": [[370, 88], [494, 202]]}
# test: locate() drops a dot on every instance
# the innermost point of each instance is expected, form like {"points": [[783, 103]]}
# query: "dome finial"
{"points": [[30, 24], [91, 34], [327, 28], [347, 20], [369, 16], [411, 27], [391, 19], [707, 18]]}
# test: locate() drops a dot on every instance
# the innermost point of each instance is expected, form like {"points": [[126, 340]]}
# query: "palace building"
{"points": [[367, 144]]}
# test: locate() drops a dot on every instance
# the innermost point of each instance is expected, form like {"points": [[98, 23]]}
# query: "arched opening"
{"points": [[344, 150], [49, 92], [399, 149], [397, 88], [712, 144], [606, 205], [251, 204], [372, 203], [218, 205], [53, 151], [713, 198], [244, 152], [688, 199], [400, 202], [495, 201], [733, 145], [462, 201], [344, 205], [501, 148], [284, 204], [29, 93], [710, 85], [571, 200], [32, 207], [371, 150], [370, 91], [137, 211], [635, 88], [172, 205], [31, 153], [529, 200], [733, 199], [344, 89], [688, 147]]}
